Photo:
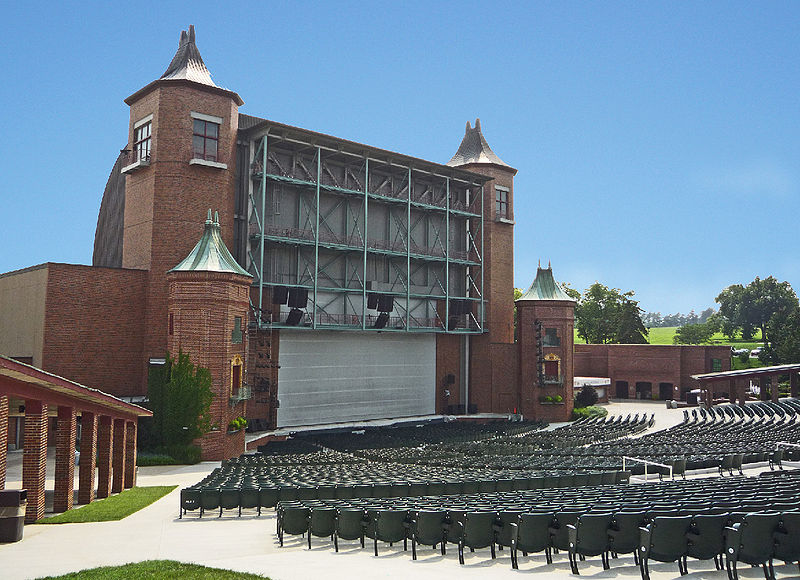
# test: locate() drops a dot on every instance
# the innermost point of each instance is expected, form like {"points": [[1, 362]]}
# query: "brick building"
{"points": [[344, 282]]}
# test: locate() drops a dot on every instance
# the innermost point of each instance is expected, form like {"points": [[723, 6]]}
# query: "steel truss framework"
{"points": [[345, 224]]}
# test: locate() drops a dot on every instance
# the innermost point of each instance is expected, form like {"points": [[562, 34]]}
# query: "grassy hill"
{"points": [[664, 335]]}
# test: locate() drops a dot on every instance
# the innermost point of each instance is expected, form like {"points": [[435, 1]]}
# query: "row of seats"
{"points": [[751, 535], [250, 492]]}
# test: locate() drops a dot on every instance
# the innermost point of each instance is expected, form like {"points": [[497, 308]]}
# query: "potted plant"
{"points": [[237, 424]]}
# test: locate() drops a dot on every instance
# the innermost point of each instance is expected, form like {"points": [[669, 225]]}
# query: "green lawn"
{"points": [[157, 569], [663, 335], [112, 508]]}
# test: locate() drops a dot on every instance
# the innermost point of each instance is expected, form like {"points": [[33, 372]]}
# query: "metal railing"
{"points": [[646, 463]]}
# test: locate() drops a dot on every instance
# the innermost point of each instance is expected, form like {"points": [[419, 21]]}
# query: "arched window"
{"points": [[236, 374]]}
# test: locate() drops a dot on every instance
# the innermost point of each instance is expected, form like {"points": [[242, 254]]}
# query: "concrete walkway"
{"points": [[249, 544]]}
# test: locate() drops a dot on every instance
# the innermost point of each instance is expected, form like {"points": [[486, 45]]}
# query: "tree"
{"points": [[586, 397], [694, 334], [606, 315], [784, 345], [180, 397], [745, 308], [630, 328]]}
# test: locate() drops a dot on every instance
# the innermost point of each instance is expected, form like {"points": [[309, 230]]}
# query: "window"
{"points": [[236, 375], [716, 365], [551, 337], [141, 141], [501, 202], [236, 333], [205, 139]]}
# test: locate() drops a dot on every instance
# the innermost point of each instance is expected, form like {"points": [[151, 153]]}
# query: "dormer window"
{"points": [[139, 156], [205, 140], [141, 141]]}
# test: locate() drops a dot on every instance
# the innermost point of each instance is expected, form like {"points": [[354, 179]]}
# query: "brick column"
{"points": [[88, 457], [774, 388], [65, 459], [118, 456], [793, 384], [762, 383], [34, 458], [130, 454], [105, 441], [4, 438]]}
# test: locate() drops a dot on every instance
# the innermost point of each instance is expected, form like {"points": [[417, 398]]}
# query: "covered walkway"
{"points": [[108, 429], [736, 383]]}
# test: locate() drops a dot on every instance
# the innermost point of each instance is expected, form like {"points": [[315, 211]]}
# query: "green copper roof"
{"points": [[210, 254], [544, 287]]}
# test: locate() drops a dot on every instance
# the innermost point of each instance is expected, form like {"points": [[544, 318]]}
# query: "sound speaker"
{"points": [[372, 301], [298, 297], [450, 379], [385, 303], [455, 307], [280, 294], [452, 324], [383, 318], [294, 317]]}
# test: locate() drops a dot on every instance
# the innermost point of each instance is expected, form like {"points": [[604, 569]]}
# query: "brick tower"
{"points": [[181, 154], [493, 372], [545, 323], [207, 319]]}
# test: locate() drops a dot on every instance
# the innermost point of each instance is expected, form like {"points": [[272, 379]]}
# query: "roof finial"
{"points": [[191, 33], [216, 218], [549, 267], [539, 265], [183, 39], [208, 219], [477, 123], [469, 127]]}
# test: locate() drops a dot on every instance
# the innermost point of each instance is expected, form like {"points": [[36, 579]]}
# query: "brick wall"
{"points": [[118, 456], [649, 363], [105, 444], [65, 459], [204, 306], [88, 458], [552, 314], [167, 202], [448, 361], [34, 459], [493, 380], [130, 454], [94, 323], [3, 439]]}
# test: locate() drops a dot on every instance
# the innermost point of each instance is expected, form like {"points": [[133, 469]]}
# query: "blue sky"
{"points": [[657, 143]]}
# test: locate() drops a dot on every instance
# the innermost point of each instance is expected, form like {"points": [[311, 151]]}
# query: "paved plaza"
{"points": [[249, 543]]}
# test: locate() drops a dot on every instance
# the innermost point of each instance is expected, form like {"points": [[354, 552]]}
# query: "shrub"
{"points": [[169, 455], [588, 412], [548, 399], [237, 423], [558, 399], [586, 398]]}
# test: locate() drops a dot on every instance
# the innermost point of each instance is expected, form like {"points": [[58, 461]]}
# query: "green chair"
{"points": [[664, 540], [190, 500], [705, 538], [623, 535], [389, 526], [477, 532], [588, 536], [427, 528], [787, 537], [531, 535], [209, 499], [321, 523], [292, 520], [349, 525], [751, 541]]}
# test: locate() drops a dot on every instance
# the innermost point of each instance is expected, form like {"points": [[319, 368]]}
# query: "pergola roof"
{"points": [[747, 373], [26, 381]]}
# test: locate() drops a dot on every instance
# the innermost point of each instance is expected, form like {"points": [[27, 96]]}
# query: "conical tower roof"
{"points": [[475, 149], [211, 254], [544, 287], [186, 66], [187, 63]]}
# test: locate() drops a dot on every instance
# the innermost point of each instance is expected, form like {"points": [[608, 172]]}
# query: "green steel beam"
{"points": [[263, 215], [366, 233], [408, 248], [316, 239]]}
